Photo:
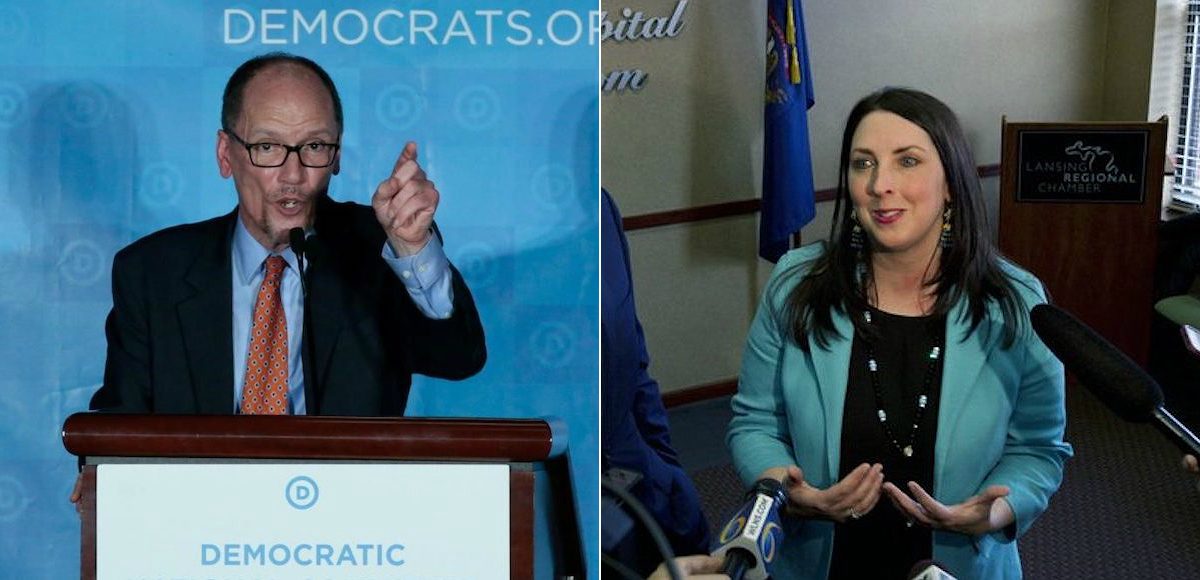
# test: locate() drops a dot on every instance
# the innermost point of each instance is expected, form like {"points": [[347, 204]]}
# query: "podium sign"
{"points": [[1079, 208], [302, 520], [1071, 166]]}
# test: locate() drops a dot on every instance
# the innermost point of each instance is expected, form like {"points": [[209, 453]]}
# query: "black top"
{"points": [[880, 545]]}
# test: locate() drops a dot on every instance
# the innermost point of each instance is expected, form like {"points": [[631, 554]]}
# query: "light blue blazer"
{"points": [[1001, 421]]}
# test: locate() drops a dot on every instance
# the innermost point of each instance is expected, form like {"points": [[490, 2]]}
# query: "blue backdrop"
{"points": [[109, 112]]}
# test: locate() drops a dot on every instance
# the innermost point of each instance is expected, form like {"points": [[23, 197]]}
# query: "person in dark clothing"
{"points": [[635, 436]]}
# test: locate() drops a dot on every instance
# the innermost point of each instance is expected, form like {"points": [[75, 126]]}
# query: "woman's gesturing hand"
{"points": [[849, 499], [979, 514]]}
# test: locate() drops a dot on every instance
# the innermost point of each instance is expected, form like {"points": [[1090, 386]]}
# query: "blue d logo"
{"points": [[302, 492]]}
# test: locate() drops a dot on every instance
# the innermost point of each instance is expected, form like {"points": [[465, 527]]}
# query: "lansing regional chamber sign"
{"points": [[1082, 166]]}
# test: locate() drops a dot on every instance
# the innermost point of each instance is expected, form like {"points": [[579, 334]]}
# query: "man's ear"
{"points": [[224, 162]]}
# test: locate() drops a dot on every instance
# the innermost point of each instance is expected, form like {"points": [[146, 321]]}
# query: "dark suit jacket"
{"points": [[170, 332], [634, 430]]}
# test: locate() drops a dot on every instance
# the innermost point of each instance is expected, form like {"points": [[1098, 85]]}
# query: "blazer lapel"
{"points": [[326, 300], [964, 359], [206, 319], [832, 371]]}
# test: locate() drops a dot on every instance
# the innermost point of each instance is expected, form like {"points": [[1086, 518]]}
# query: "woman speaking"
{"points": [[891, 378]]}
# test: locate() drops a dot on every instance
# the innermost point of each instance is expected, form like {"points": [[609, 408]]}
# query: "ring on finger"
{"points": [[854, 515]]}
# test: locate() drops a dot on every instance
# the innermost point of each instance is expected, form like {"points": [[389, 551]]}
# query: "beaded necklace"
{"points": [[922, 400]]}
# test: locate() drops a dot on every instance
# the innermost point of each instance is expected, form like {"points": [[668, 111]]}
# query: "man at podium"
{"points": [[211, 317]]}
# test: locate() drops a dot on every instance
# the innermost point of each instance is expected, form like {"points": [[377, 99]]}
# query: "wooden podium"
{"points": [[1080, 208], [532, 450]]}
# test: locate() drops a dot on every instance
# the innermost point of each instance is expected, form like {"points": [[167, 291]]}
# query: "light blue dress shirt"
{"points": [[426, 276]]}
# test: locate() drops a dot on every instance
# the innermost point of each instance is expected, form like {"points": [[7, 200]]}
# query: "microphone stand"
{"points": [[1177, 431], [308, 355]]}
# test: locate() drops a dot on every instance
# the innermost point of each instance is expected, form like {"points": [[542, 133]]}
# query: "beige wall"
{"points": [[682, 140], [1128, 60], [693, 134]]}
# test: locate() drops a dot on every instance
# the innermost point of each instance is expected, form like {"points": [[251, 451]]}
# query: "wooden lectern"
{"points": [[532, 449], [1080, 208]]}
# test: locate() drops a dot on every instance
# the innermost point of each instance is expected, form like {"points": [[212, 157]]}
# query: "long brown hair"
{"points": [[969, 267]]}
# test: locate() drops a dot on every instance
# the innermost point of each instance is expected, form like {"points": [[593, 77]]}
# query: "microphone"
{"points": [[1115, 379], [750, 540], [928, 570], [299, 243]]}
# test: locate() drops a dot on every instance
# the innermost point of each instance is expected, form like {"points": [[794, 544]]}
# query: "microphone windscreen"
{"points": [[1115, 379], [769, 487], [296, 239]]}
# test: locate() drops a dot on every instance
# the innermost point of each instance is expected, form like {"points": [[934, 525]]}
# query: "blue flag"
{"points": [[787, 199]]}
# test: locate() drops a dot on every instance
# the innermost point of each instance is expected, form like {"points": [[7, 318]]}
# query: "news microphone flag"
{"points": [[787, 197], [750, 541]]}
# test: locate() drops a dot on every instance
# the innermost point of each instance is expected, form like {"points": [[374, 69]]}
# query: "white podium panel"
{"points": [[302, 521]]}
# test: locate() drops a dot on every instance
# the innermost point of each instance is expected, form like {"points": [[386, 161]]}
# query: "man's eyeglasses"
{"points": [[265, 154]]}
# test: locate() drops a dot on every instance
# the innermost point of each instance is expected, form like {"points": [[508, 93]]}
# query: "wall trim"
{"points": [[699, 393], [736, 208], [691, 214]]}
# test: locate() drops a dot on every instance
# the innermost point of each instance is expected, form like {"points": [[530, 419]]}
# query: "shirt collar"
{"points": [[249, 255]]}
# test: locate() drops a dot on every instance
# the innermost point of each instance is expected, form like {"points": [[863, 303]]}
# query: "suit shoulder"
{"points": [[792, 268], [1027, 284], [169, 243], [348, 210], [803, 256], [347, 219], [797, 263]]}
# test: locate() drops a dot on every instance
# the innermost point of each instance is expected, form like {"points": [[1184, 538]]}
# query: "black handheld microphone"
{"points": [[299, 243], [1115, 379], [750, 540]]}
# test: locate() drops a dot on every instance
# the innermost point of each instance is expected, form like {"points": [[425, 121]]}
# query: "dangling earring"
{"points": [[857, 243], [945, 241], [856, 234]]}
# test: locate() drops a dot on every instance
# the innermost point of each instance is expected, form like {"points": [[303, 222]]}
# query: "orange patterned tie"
{"points": [[266, 385]]}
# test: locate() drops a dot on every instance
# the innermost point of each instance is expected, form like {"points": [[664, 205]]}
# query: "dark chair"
{"points": [[1177, 295]]}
